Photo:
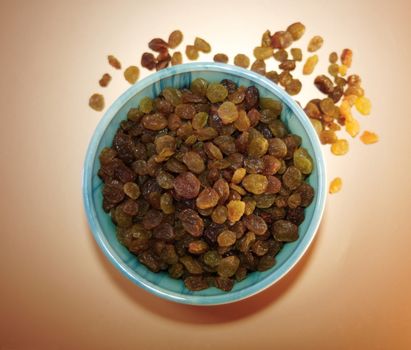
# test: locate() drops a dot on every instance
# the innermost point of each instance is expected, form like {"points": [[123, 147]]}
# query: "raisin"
{"points": [[166, 203], [132, 190], [310, 64], [333, 57], [202, 45], [335, 185], [363, 105], [255, 224], [148, 61], [285, 231], [212, 151], [96, 102], [280, 55], [191, 52], [296, 30], [262, 53], [235, 210], [340, 147], [324, 84], [219, 214], [197, 247], [105, 80], [307, 194], [226, 238], [293, 87], [277, 148], [216, 92], [176, 270], [315, 43], [238, 175], [164, 232], [208, 198], [148, 259], [114, 62], [174, 39], [220, 57], [255, 183], [195, 283], [328, 137], [296, 54], [259, 67], [155, 121], [287, 65], [131, 74], [113, 193], [223, 283], [265, 263], [191, 264], [303, 161], [295, 215], [266, 39], [346, 57], [194, 162], [272, 75], [222, 188], [242, 60], [228, 112], [369, 137], [228, 266], [176, 58], [292, 177], [187, 185], [281, 40], [192, 222]]}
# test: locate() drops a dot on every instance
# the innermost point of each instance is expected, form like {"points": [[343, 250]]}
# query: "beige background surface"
{"points": [[350, 291]]}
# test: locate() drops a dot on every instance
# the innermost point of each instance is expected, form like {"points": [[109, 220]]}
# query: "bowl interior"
{"points": [[104, 230]]}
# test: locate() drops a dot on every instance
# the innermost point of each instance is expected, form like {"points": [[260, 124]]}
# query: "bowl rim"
{"points": [[194, 299]]}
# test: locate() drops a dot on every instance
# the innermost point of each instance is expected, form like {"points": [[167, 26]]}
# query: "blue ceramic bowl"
{"points": [[103, 229]]}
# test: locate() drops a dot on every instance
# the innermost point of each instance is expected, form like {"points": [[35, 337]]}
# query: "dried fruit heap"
{"points": [[206, 183]]}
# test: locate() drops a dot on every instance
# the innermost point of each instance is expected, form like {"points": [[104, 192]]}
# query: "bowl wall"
{"points": [[104, 230]]}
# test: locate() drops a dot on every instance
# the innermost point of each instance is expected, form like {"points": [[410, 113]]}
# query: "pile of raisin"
{"points": [[206, 183]]}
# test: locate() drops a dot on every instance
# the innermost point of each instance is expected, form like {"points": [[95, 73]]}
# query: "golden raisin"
{"points": [[352, 127], [369, 137], [243, 122], [340, 147], [255, 183], [346, 57], [342, 70], [335, 185], [363, 105], [328, 136], [238, 175], [310, 64], [235, 210]]}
